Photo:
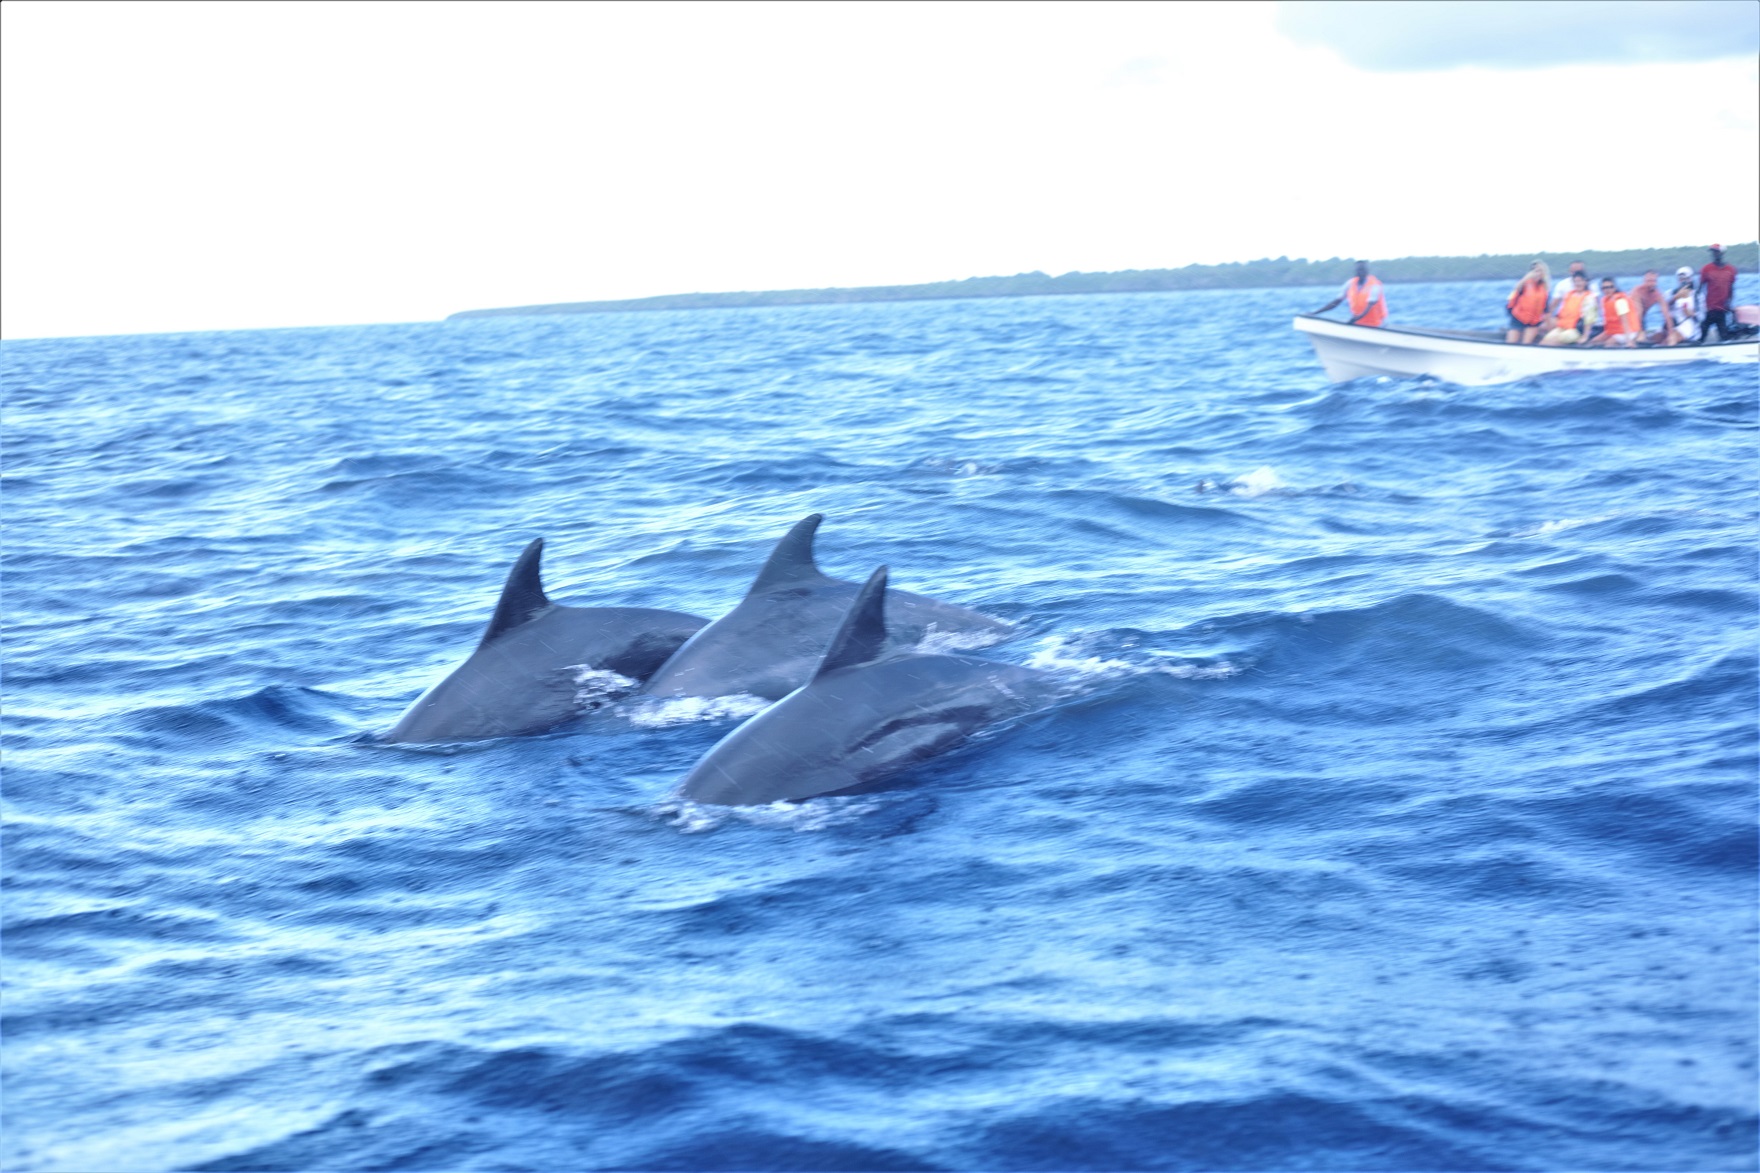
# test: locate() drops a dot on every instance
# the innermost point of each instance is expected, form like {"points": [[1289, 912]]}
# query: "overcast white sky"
{"points": [[216, 165]]}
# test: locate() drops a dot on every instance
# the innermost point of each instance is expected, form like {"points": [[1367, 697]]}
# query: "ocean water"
{"points": [[1401, 814]]}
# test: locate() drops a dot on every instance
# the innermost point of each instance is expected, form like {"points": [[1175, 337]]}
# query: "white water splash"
{"points": [[813, 814], [1547, 528], [1067, 657], [1062, 655], [667, 712], [952, 643], [1257, 483], [1221, 670], [595, 685], [959, 468]]}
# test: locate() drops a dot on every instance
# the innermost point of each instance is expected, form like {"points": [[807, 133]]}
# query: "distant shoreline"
{"points": [[1262, 274]]}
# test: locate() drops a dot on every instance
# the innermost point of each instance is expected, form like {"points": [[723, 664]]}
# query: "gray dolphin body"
{"points": [[770, 644], [867, 713], [524, 675]]}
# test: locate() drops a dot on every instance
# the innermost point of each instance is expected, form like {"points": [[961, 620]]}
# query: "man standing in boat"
{"points": [[1717, 286], [1363, 292]]}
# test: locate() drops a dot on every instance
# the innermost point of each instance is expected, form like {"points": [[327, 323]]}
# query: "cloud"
{"points": [[1521, 34]]}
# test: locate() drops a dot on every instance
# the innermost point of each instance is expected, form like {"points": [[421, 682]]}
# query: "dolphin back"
{"points": [[791, 563], [533, 678], [866, 714], [525, 675], [853, 728], [774, 640], [522, 595], [861, 638]]}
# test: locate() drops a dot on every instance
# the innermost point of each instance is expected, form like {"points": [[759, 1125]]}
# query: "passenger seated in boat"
{"points": [[1685, 300], [1646, 296], [1527, 305], [1575, 313], [1619, 317], [1368, 302], [1563, 285]]}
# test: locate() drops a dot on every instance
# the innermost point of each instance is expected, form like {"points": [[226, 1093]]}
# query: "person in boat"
{"points": [[1647, 296], [1563, 287], [1620, 325], [1684, 300], [1527, 305], [1367, 300], [1717, 287], [1569, 323]]}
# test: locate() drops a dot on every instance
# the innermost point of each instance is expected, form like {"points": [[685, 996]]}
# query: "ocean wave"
{"points": [[276, 709], [1396, 810]]}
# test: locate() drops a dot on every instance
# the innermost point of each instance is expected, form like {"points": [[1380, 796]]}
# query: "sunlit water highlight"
{"points": [[1400, 813]]}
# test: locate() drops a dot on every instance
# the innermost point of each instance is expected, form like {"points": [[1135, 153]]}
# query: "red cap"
{"points": [[1717, 248]]}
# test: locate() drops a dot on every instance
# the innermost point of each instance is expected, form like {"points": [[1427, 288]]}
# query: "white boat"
{"points": [[1474, 358]]}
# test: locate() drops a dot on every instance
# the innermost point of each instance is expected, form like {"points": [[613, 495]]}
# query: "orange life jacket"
{"points": [[1570, 310], [1528, 303], [1618, 314], [1357, 293]]}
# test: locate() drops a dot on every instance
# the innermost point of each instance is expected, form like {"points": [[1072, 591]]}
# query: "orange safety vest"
{"points": [[1618, 314], [1527, 304], [1570, 310], [1357, 294]]}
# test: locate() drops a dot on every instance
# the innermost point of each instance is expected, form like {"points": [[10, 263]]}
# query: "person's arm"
{"points": [[1337, 301]]}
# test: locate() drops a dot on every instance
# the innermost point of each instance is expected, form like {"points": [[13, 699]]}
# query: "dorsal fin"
{"points": [[791, 562], [523, 597], [862, 635]]}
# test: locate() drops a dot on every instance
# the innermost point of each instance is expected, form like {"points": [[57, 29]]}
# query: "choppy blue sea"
{"points": [[1403, 816]]}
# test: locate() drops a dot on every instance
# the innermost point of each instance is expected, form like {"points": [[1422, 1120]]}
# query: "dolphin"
{"points": [[524, 675], [769, 644], [868, 712]]}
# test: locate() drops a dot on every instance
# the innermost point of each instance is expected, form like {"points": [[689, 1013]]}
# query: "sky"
{"points": [[219, 165]]}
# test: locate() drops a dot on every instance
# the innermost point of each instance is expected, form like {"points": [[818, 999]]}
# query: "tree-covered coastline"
{"points": [[1261, 274]]}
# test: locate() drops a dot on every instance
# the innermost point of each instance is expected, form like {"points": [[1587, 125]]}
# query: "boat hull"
{"points": [[1354, 352]]}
